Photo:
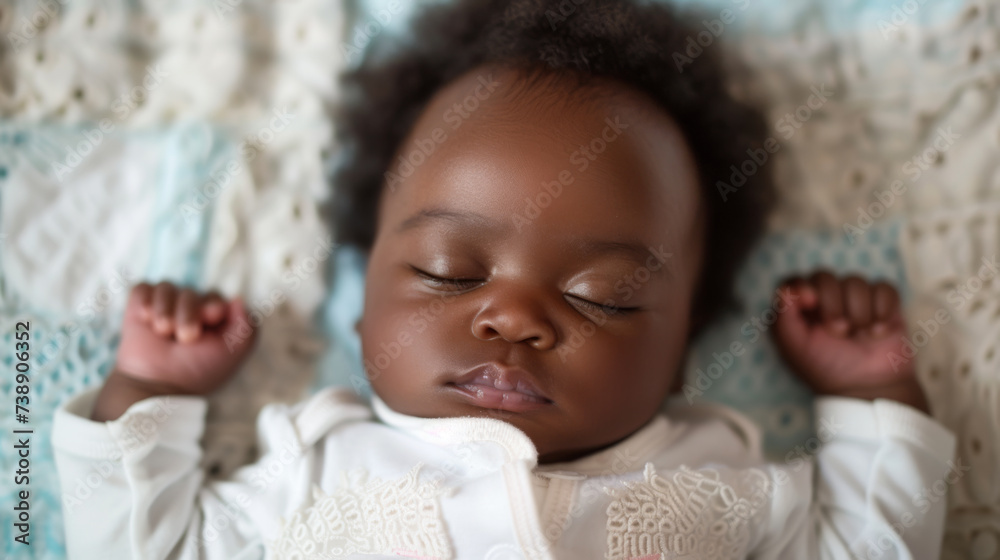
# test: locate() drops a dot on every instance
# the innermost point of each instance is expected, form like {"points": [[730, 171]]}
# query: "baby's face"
{"points": [[495, 254]]}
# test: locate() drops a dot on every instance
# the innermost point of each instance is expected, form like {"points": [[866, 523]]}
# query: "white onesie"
{"points": [[334, 482]]}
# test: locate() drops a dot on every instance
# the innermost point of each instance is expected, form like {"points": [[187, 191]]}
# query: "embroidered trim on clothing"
{"points": [[693, 512], [396, 517]]}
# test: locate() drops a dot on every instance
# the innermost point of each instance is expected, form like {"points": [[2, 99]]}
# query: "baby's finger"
{"points": [[858, 302], [142, 296], [801, 292], [164, 299], [831, 302], [792, 328], [188, 316], [213, 308], [885, 302]]}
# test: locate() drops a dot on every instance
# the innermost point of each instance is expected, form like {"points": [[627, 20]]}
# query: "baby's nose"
{"points": [[514, 318]]}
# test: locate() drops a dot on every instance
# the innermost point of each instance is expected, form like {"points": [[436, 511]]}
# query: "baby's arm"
{"points": [[872, 483], [132, 486]]}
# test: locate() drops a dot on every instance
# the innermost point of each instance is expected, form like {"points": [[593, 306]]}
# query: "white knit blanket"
{"points": [[883, 110]]}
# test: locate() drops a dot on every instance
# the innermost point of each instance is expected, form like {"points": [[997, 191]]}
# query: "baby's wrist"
{"points": [[121, 390], [907, 392]]}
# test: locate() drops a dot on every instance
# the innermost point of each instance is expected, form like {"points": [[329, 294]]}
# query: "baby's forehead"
{"points": [[573, 117], [512, 143], [513, 94]]}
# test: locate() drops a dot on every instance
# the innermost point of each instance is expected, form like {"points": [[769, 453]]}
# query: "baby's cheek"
{"points": [[402, 354], [619, 371], [654, 361]]}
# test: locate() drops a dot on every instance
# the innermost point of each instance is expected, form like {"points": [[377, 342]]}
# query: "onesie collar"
{"points": [[625, 456], [447, 431]]}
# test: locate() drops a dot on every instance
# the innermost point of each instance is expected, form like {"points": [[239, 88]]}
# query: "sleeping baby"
{"points": [[546, 200]]}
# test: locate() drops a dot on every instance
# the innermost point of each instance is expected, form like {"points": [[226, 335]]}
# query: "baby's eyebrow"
{"points": [[431, 214], [633, 250]]}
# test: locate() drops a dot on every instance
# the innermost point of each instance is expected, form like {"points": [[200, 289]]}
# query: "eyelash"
{"points": [[609, 310], [460, 283], [455, 282]]}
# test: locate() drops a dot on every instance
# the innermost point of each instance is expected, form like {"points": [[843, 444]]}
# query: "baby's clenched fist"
{"points": [[178, 341], [845, 336]]}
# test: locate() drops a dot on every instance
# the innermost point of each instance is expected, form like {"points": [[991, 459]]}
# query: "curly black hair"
{"points": [[633, 43]]}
